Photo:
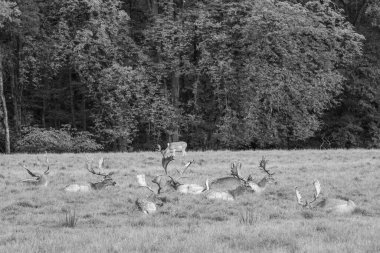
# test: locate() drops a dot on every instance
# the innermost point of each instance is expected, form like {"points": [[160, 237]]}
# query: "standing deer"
{"points": [[330, 205], [179, 146], [105, 182], [38, 179]]}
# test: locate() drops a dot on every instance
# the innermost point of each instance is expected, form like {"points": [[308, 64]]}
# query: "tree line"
{"points": [[119, 75]]}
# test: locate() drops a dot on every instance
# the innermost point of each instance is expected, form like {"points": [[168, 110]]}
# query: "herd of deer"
{"points": [[226, 188]]}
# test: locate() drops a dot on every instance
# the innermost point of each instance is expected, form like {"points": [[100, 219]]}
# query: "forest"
{"points": [[125, 75]]}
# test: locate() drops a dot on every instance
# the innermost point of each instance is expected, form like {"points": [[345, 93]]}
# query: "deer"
{"points": [[179, 146], [227, 195], [330, 205], [169, 183], [261, 185], [149, 204], [38, 179], [105, 182], [233, 181]]}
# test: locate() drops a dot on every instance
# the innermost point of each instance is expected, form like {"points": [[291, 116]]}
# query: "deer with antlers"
{"points": [[179, 146], [236, 180], [168, 183], [231, 182], [38, 179], [330, 205], [147, 205], [105, 182], [261, 185]]}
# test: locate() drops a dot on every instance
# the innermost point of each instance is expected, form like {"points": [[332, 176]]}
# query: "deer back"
{"points": [[107, 181], [225, 183], [178, 146]]}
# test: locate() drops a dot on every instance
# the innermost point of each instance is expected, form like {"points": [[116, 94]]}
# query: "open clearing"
{"points": [[32, 218]]}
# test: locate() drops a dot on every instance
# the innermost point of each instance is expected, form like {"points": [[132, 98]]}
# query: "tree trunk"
{"points": [[175, 101], [43, 116], [14, 93], [152, 6], [4, 110], [72, 108], [15, 85], [84, 117]]}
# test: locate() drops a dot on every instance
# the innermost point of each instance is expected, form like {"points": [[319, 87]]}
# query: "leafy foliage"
{"points": [[38, 140], [217, 74]]}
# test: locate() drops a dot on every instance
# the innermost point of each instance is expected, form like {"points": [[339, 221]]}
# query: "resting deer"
{"points": [[261, 185], [38, 179], [187, 188], [105, 182], [233, 181], [330, 205], [228, 195], [167, 183], [179, 146], [236, 180], [149, 204]]}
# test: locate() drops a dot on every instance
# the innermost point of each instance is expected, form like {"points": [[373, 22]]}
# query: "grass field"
{"points": [[33, 219]]}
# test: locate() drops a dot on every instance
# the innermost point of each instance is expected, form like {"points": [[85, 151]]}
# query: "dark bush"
{"points": [[37, 140]]}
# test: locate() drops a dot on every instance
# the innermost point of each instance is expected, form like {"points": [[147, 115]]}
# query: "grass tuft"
{"points": [[307, 214], [247, 217], [70, 219]]}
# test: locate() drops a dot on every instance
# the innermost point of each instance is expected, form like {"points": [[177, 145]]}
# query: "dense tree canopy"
{"points": [[128, 74]]}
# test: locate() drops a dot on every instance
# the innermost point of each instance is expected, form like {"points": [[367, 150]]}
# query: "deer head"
{"points": [[167, 183], [106, 181], [235, 168], [269, 175], [38, 179]]}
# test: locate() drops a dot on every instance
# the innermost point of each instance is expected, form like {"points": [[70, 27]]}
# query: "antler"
{"points": [[305, 203], [317, 187], [30, 173], [235, 167], [142, 182], [100, 164], [166, 161], [263, 164], [47, 162], [91, 170], [161, 151], [299, 197], [187, 165]]}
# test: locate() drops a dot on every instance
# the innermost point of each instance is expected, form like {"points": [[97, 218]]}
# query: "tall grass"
{"points": [[70, 218]]}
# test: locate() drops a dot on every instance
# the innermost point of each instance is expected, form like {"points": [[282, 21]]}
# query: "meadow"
{"points": [[33, 219]]}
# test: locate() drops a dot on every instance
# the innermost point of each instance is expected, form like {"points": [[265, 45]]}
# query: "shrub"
{"points": [[66, 139]]}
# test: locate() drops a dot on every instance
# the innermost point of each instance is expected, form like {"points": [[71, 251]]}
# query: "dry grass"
{"points": [[108, 221]]}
